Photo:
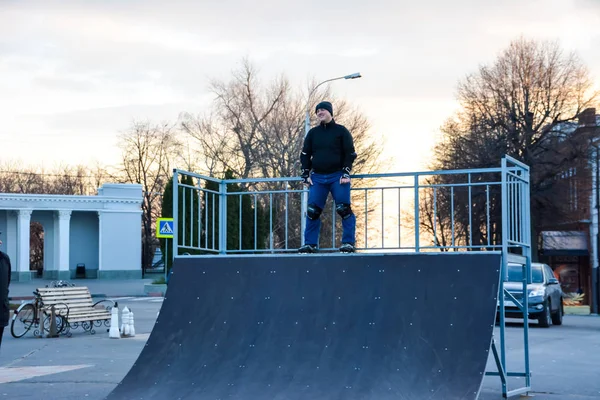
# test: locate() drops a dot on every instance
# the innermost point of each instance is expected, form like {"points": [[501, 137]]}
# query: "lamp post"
{"points": [[595, 264], [306, 129], [307, 116]]}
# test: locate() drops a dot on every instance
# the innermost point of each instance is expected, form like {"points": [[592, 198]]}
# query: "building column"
{"points": [[63, 244], [51, 250], [11, 239], [100, 247], [23, 241]]}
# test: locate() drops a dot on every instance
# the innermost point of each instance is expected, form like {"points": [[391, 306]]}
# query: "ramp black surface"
{"points": [[313, 327]]}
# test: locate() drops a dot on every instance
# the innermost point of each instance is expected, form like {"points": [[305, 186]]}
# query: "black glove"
{"points": [[346, 173], [305, 176]]}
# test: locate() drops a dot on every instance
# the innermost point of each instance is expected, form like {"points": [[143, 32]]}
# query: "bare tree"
{"points": [[519, 105], [98, 174], [148, 152], [61, 179], [231, 137]]}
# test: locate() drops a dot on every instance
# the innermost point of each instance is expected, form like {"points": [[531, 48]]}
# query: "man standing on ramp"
{"points": [[327, 157]]}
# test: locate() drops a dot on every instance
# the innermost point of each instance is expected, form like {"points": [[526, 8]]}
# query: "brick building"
{"points": [[569, 240]]}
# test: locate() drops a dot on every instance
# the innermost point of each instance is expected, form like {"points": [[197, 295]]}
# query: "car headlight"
{"points": [[536, 292]]}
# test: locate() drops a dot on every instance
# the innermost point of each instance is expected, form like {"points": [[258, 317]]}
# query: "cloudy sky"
{"points": [[73, 74]]}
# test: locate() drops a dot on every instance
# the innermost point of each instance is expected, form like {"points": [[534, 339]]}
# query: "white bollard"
{"points": [[125, 322], [114, 333], [131, 325]]}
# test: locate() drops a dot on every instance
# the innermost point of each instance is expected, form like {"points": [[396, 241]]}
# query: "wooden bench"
{"points": [[75, 307]]}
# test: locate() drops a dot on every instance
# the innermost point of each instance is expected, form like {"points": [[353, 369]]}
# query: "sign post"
{"points": [[164, 230]]}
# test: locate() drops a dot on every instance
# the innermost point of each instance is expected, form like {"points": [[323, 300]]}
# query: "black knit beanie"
{"points": [[326, 106]]}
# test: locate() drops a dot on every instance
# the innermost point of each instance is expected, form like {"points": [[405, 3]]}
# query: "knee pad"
{"points": [[343, 210], [313, 212]]}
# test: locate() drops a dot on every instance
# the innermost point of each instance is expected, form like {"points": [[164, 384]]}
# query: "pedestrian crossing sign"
{"points": [[164, 228]]}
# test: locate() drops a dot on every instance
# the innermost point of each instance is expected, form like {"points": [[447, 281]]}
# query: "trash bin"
{"points": [[80, 271]]}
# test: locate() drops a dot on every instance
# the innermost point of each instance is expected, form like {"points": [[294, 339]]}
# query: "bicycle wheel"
{"points": [[22, 320]]}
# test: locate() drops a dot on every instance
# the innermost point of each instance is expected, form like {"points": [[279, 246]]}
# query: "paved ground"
{"points": [[101, 362], [565, 360]]}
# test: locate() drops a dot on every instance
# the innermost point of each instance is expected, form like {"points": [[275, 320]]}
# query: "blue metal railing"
{"points": [[380, 196]]}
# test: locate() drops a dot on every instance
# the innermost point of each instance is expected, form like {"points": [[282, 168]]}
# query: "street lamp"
{"points": [[307, 117], [306, 129]]}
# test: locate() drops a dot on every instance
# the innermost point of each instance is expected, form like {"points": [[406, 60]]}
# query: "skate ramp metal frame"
{"points": [[378, 326]]}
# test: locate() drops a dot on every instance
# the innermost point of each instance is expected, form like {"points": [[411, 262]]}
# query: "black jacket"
{"points": [[328, 148], [4, 283]]}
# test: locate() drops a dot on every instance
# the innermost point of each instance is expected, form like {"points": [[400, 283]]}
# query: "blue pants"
{"points": [[317, 195]]}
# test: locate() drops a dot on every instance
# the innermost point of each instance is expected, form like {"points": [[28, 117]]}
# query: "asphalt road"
{"points": [[565, 360]]}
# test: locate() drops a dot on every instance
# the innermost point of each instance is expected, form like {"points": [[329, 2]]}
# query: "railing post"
{"points": [[505, 216], [303, 210], [504, 271], [223, 217], [417, 222], [175, 214], [526, 216]]}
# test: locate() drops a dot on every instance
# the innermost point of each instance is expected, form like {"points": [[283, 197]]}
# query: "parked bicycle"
{"points": [[28, 315]]}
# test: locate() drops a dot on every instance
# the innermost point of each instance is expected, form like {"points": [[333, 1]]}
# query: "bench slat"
{"points": [[74, 309], [57, 294], [93, 311], [67, 296], [71, 305], [68, 304], [85, 320], [61, 306], [89, 315], [64, 289], [66, 300], [86, 314], [87, 310], [63, 301], [71, 311], [76, 294], [82, 293], [78, 315]]}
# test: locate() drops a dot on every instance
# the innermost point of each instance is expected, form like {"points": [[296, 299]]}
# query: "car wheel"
{"points": [[557, 317], [546, 318]]}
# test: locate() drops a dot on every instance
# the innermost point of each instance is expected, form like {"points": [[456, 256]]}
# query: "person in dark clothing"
{"points": [[327, 157], [4, 283]]}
